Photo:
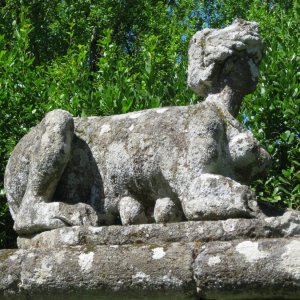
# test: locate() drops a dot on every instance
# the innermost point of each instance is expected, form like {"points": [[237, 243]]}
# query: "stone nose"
{"points": [[266, 159]]}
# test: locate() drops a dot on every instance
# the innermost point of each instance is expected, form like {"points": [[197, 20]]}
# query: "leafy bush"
{"points": [[274, 109]]}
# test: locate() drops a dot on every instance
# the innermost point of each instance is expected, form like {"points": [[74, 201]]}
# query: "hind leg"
{"points": [[48, 160]]}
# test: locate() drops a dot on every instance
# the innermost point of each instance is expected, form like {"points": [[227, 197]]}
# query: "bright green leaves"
{"points": [[283, 188], [278, 124], [68, 82], [288, 137]]}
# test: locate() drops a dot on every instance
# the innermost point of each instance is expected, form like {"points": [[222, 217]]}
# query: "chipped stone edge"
{"points": [[191, 231]]}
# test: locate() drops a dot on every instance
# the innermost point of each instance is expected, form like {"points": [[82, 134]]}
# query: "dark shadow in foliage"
{"points": [[8, 237], [270, 210]]}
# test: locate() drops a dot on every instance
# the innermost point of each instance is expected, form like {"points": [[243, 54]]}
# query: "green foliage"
{"points": [[274, 108], [113, 56]]}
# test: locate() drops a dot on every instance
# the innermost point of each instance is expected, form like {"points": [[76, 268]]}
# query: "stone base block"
{"points": [[239, 269]]}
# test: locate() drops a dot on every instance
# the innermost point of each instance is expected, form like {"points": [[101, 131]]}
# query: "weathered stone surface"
{"points": [[119, 167], [98, 268], [215, 197], [249, 269], [10, 271], [171, 167], [165, 211], [210, 48], [33, 173], [240, 269], [287, 225], [40, 158], [131, 211]]}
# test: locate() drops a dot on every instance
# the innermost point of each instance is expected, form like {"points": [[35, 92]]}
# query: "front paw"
{"points": [[77, 214], [37, 217], [29, 226]]}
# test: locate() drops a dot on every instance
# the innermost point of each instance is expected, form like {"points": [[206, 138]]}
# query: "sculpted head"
{"points": [[225, 57]]}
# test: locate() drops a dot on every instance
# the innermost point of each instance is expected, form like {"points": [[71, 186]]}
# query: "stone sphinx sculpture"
{"points": [[163, 165]]}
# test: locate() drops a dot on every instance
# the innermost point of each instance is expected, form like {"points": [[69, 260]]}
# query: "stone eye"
{"points": [[195, 41]]}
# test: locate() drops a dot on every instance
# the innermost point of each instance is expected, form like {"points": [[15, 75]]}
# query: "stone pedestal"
{"points": [[231, 259]]}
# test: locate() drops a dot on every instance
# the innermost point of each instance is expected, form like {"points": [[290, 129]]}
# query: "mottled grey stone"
{"points": [[249, 269], [10, 271], [163, 165], [214, 197], [210, 48], [166, 211], [155, 161], [33, 172], [287, 225], [131, 211], [111, 268], [239, 269]]}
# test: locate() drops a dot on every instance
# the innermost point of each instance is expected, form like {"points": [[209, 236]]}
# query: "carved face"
{"points": [[240, 73], [229, 55]]}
